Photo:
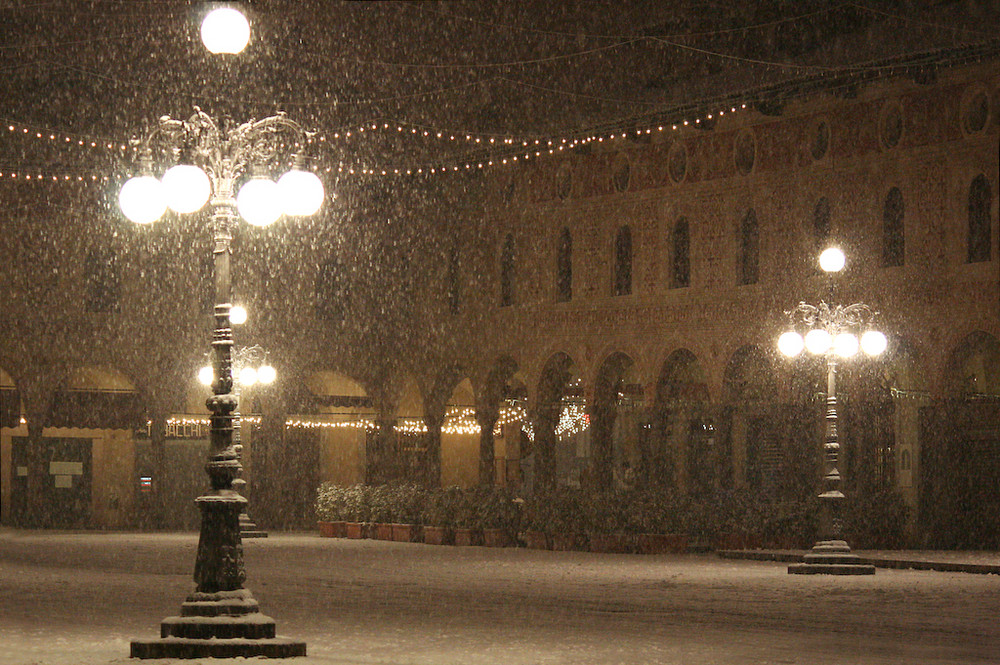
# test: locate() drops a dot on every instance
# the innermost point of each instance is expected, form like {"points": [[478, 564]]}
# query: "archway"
{"points": [[560, 445], [615, 433], [680, 414], [746, 449]]}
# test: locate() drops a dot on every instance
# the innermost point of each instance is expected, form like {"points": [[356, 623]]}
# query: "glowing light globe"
{"points": [[818, 341], [225, 30], [832, 260], [141, 199], [186, 188], [237, 315], [206, 375], [259, 202], [845, 345], [873, 342], [248, 376], [301, 193], [266, 374], [791, 344]]}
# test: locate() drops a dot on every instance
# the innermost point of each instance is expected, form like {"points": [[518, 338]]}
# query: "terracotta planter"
{"points": [[356, 530], [737, 541], [332, 529], [383, 531], [465, 537], [438, 535], [496, 538], [536, 540], [564, 542], [662, 543], [610, 543], [406, 533]]}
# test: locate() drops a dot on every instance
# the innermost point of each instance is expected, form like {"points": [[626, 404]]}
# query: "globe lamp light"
{"points": [[206, 375], [873, 342], [845, 345], [818, 341], [266, 374], [225, 30], [186, 188], [832, 260], [258, 201], [141, 199], [301, 192], [248, 376], [790, 344], [237, 315]]}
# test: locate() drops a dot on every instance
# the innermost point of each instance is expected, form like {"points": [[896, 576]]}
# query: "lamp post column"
{"points": [[219, 564], [831, 524]]}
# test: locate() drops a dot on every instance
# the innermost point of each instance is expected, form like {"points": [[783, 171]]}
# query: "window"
{"points": [[507, 272], [821, 223], [623, 262], [564, 267], [980, 199], [749, 248], [103, 286], [332, 293], [892, 229], [681, 263], [454, 287]]}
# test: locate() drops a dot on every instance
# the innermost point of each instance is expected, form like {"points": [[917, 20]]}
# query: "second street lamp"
{"points": [[832, 333], [221, 619]]}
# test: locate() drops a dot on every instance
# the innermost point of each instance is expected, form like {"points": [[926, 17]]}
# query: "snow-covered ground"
{"points": [[79, 598]]}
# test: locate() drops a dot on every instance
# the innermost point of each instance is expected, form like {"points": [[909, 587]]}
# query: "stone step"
{"points": [[248, 626]]}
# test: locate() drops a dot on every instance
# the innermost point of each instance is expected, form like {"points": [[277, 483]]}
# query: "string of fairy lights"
{"points": [[497, 150], [573, 420]]}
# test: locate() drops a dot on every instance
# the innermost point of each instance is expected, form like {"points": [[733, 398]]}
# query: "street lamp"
{"points": [[832, 332], [221, 619]]}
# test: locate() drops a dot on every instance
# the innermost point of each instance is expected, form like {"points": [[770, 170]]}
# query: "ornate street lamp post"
{"points": [[832, 333], [221, 618]]}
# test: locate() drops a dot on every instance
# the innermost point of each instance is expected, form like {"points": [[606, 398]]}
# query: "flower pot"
{"points": [[325, 529], [536, 540], [563, 542], [406, 533], [438, 535], [610, 543], [496, 538], [737, 541], [662, 543], [383, 531], [468, 536], [356, 530]]}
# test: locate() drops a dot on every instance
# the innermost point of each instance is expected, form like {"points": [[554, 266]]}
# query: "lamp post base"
{"points": [[831, 557], [225, 624]]}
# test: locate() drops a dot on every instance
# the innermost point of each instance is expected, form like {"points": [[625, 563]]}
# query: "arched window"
{"points": [[623, 262], [681, 263], [821, 223], [564, 267], [454, 287], [892, 229], [507, 272], [749, 248], [980, 198]]}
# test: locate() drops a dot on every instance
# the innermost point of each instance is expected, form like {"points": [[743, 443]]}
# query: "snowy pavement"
{"points": [[80, 598]]}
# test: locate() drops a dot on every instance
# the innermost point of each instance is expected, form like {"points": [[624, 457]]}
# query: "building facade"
{"points": [[600, 317]]}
